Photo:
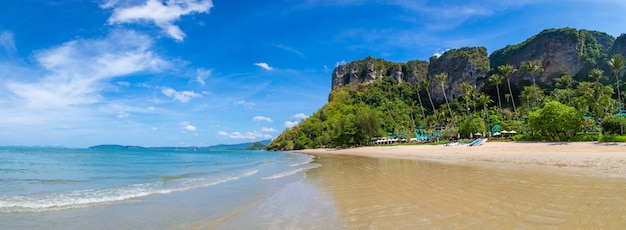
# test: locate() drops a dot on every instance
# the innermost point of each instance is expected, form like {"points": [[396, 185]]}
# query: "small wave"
{"points": [[284, 174], [91, 197], [303, 163], [186, 175]]}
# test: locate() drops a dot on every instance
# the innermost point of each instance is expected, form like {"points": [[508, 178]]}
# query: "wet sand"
{"points": [[493, 186]]}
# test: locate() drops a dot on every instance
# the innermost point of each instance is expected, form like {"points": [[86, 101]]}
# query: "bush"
{"points": [[556, 120], [611, 125], [592, 136], [612, 138]]}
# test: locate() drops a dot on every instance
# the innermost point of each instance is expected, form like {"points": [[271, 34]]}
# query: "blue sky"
{"points": [[201, 72]]}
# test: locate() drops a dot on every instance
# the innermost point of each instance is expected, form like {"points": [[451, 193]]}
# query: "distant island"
{"points": [[258, 145]]}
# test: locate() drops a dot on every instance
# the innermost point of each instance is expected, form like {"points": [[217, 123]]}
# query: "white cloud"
{"points": [[123, 83], [154, 129], [342, 62], [77, 71], [262, 118], [187, 126], [289, 49], [244, 103], [248, 135], [184, 96], [268, 130], [290, 124], [162, 13], [7, 42], [264, 65], [301, 116], [123, 114], [202, 74], [222, 133]]}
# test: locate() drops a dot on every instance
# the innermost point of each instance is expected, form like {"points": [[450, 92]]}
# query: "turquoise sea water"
{"points": [[137, 189]]}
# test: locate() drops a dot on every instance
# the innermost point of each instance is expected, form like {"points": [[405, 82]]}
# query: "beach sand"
{"points": [[498, 185]]}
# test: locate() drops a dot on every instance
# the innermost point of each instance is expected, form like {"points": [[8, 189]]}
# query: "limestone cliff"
{"points": [[465, 64], [560, 51], [470, 64]]}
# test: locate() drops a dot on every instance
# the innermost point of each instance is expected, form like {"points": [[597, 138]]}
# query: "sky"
{"points": [[78, 73]]}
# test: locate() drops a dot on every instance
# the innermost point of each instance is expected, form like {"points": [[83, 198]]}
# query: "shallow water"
{"points": [[78, 189], [374, 193], [137, 189]]}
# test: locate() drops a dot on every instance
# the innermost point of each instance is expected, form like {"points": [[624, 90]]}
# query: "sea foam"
{"points": [[92, 197]]}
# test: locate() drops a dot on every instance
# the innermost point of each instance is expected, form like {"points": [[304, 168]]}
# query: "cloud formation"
{"points": [[268, 130], [7, 42], [77, 71], [202, 74], [255, 135], [184, 96], [187, 126], [262, 118], [162, 13], [301, 116], [244, 103], [291, 124], [264, 66]]}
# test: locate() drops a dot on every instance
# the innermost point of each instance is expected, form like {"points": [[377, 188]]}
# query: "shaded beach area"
{"points": [[493, 186]]}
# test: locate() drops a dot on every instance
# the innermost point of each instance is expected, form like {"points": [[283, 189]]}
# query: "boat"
{"points": [[478, 142]]}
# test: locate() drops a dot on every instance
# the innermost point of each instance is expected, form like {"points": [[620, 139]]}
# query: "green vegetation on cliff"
{"points": [[558, 85]]}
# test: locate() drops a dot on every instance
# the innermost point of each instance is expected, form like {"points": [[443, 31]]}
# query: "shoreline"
{"points": [[578, 158]]}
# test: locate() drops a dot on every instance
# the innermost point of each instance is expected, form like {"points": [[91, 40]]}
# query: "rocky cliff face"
{"points": [[462, 65], [362, 71], [619, 46], [465, 64], [560, 51]]}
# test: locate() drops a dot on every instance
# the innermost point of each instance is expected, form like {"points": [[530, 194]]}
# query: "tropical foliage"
{"points": [[358, 114]]}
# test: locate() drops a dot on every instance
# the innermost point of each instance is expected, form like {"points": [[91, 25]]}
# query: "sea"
{"points": [[72, 188]]}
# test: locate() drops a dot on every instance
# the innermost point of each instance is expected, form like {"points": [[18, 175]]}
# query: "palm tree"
{"points": [[617, 65], [496, 79], [566, 82], [467, 95], [419, 98], [598, 93], [484, 100], [533, 67], [507, 70], [426, 86], [442, 79]]}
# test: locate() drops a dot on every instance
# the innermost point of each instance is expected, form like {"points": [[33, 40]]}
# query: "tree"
{"points": [[566, 82], [368, 123], [533, 67], [611, 125], [484, 100], [507, 70], [596, 94], [419, 98], [427, 86], [617, 65], [442, 79], [556, 119], [467, 95], [496, 79]]}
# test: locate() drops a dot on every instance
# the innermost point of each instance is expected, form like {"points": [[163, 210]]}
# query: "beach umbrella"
{"points": [[504, 132], [496, 134], [478, 134], [512, 132]]}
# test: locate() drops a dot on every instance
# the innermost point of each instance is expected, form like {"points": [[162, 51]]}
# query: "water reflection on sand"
{"points": [[375, 193]]}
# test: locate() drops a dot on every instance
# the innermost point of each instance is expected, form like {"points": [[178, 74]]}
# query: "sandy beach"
{"points": [[499, 185], [598, 159]]}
